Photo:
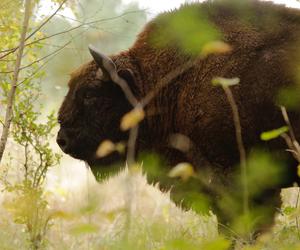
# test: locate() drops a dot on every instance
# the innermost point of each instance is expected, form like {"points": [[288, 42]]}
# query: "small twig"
{"points": [[40, 165], [59, 46], [42, 174], [26, 160], [287, 121], [291, 146], [290, 139]]}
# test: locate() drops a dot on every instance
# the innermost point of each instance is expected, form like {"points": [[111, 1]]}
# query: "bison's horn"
{"points": [[105, 63]]}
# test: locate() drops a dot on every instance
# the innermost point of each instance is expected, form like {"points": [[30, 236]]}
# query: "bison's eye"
{"points": [[90, 96]]}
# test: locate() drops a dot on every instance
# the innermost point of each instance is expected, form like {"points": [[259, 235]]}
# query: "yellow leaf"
{"points": [[132, 118], [215, 47], [298, 170], [120, 147], [105, 148], [183, 170], [134, 168]]}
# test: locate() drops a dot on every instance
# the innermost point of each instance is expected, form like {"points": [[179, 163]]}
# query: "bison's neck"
{"points": [[149, 66], [153, 66]]}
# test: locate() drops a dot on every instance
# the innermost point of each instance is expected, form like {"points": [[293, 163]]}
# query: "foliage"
{"points": [[142, 217], [34, 217], [188, 21], [28, 134], [97, 221], [269, 135]]}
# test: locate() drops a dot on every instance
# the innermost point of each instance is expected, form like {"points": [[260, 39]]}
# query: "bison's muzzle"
{"points": [[74, 145], [63, 141]]}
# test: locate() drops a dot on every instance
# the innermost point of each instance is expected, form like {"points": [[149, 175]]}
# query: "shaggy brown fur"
{"points": [[264, 44]]}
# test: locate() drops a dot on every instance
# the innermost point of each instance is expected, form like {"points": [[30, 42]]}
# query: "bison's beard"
{"points": [[106, 166], [113, 158], [82, 144], [95, 163], [84, 151]]}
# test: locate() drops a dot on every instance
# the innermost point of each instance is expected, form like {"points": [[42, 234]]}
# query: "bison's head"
{"points": [[92, 109]]}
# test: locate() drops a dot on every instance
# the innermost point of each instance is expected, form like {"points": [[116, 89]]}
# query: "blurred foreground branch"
{"points": [[241, 148]]}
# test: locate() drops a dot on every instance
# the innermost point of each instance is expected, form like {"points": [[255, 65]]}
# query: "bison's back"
{"points": [[203, 111], [264, 38]]}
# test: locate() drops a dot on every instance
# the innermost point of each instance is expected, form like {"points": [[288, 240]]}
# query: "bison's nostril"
{"points": [[62, 140]]}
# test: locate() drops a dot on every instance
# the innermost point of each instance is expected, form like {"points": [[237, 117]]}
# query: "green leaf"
{"points": [[272, 134], [289, 97], [289, 210], [175, 27], [183, 170]]}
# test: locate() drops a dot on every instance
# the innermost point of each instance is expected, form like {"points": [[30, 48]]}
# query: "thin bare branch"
{"points": [[287, 121], [11, 94], [290, 139], [52, 55], [40, 59], [38, 69], [10, 51], [131, 146], [46, 21], [294, 151]]}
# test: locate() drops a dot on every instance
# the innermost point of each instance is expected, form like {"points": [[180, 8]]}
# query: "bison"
{"points": [[263, 39]]}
